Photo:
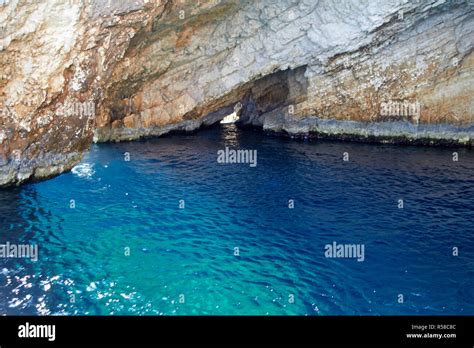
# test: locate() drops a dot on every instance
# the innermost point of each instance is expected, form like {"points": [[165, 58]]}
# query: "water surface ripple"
{"points": [[182, 261]]}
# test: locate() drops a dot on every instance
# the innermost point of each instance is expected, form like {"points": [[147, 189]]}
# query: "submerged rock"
{"points": [[73, 72]]}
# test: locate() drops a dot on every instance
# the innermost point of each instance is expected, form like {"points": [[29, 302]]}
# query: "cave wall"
{"points": [[131, 68]]}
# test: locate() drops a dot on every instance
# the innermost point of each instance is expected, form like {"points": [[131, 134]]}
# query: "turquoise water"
{"points": [[128, 248]]}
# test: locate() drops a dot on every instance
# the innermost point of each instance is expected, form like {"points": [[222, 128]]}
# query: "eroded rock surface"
{"points": [[73, 72]]}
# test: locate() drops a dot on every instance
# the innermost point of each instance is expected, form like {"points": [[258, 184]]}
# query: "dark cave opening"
{"points": [[263, 95]]}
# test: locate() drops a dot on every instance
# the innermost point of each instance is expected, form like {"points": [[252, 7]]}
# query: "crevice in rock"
{"points": [[258, 97]]}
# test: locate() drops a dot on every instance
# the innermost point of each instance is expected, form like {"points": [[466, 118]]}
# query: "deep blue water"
{"points": [[187, 255]]}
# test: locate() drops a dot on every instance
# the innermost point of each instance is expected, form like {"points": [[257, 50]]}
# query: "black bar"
{"points": [[242, 330]]}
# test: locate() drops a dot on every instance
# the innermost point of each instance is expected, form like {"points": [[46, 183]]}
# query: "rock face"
{"points": [[73, 72]]}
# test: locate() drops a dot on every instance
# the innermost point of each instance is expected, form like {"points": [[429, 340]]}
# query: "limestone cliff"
{"points": [[77, 71]]}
